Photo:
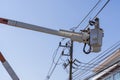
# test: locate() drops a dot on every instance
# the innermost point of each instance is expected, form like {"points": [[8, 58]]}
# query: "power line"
{"points": [[48, 76], [74, 28], [54, 64], [55, 54], [104, 70], [100, 57], [52, 67], [97, 60], [98, 12]]}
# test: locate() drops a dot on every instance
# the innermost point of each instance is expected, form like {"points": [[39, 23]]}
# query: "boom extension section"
{"points": [[74, 36], [93, 36], [8, 68]]}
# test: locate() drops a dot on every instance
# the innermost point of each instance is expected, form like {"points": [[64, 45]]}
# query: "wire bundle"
{"points": [[85, 69]]}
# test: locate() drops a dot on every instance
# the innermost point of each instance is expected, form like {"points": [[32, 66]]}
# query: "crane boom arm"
{"points": [[68, 34], [8, 68], [92, 37]]}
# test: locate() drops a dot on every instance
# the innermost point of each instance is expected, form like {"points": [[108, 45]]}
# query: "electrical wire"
{"points": [[74, 28], [99, 58], [54, 64], [88, 72], [53, 68], [53, 61], [87, 66], [96, 68], [90, 76], [98, 12], [95, 59], [54, 55]]}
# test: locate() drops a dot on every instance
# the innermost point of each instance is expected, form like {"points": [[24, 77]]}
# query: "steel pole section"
{"points": [[71, 60]]}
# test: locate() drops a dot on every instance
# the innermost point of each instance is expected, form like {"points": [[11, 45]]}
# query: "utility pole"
{"points": [[71, 60]]}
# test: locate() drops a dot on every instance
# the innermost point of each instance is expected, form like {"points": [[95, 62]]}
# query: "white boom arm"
{"points": [[91, 37], [74, 36], [8, 68]]}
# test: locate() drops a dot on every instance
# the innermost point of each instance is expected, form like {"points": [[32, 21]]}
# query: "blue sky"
{"points": [[30, 53]]}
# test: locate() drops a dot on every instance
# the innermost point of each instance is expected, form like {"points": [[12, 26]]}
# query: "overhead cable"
{"points": [[54, 64], [74, 28], [97, 60], [98, 12]]}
